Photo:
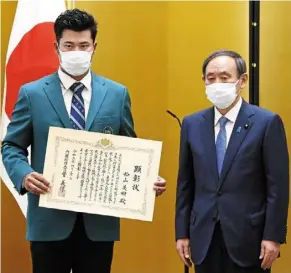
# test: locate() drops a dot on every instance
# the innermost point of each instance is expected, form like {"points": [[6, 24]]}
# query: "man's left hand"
{"points": [[160, 186], [269, 253]]}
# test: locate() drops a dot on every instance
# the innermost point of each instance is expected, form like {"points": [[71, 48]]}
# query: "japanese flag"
{"points": [[30, 56]]}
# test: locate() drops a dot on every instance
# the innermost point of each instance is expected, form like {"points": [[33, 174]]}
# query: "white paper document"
{"points": [[101, 173]]}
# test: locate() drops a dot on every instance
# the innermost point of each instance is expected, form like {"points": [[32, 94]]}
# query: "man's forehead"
{"points": [[76, 35], [221, 64]]}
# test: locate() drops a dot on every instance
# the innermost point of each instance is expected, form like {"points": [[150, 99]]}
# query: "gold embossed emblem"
{"points": [[105, 142]]}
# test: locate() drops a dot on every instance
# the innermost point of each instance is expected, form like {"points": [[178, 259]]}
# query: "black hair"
{"points": [[240, 62], [76, 20]]}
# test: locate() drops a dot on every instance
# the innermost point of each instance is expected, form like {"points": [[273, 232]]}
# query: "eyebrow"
{"points": [[224, 72], [70, 42], [219, 73]]}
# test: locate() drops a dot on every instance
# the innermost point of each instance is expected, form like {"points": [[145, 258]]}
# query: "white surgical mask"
{"points": [[222, 95], [76, 63]]}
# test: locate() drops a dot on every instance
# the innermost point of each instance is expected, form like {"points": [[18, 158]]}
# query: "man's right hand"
{"points": [[183, 249], [36, 183]]}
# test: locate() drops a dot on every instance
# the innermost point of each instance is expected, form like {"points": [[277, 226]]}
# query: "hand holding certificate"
{"points": [[101, 173]]}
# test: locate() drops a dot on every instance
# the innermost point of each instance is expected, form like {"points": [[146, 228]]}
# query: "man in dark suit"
{"points": [[233, 181]]}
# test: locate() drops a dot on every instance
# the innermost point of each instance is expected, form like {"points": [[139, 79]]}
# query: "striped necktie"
{"points": [[77, 116], [221, 143]]}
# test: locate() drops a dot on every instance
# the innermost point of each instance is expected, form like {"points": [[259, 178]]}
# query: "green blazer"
{"points": [[41, 105]]}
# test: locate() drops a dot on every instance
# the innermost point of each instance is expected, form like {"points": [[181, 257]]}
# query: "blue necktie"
{"points": [[221, 143], [77, 116]]}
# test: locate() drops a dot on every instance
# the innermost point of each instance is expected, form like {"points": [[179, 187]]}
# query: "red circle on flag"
{"points": [[34, 57]]}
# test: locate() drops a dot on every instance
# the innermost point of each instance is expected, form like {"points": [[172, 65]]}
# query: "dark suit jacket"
{"points": [[252, 193]]}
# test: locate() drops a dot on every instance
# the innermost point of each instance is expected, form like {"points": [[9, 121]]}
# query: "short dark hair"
{"points": [[240, 62], [76, 20]]}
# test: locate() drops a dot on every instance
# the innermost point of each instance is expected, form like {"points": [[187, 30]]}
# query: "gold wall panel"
{"points": [[275, 82]]}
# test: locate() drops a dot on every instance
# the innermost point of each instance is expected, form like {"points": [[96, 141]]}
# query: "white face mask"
{"points": [[76, 63], [222, 95]]}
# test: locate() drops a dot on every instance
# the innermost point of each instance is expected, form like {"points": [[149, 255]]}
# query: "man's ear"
{"points": [[244, 80], [95, 45], [56, 47]]}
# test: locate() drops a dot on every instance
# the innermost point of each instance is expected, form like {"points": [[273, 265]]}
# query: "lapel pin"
{"points": [[238, 129], [246, 126], [108, 130]]}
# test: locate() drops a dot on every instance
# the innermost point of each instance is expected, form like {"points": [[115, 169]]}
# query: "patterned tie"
{"points": [[77, 117], [221, 143]]}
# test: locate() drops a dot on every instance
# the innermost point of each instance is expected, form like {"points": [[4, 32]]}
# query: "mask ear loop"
{"points": [[238, 80], [59, 53], [237, 83]]}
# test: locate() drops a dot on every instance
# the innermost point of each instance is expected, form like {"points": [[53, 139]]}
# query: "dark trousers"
{"points": [[76, 253], [218, 260]]}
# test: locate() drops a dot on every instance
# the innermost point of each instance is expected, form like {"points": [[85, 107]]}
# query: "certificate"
{"points": [[101, 173]]}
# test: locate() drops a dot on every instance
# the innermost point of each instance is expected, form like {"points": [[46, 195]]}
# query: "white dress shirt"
{"points": [[67, 82], [231, 115]]}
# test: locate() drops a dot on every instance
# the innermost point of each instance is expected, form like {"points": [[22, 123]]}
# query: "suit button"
{"points": [[219, 193]]}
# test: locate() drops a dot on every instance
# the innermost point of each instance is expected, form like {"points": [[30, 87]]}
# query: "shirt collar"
{"points": [[231, 115], [68, 81]]}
